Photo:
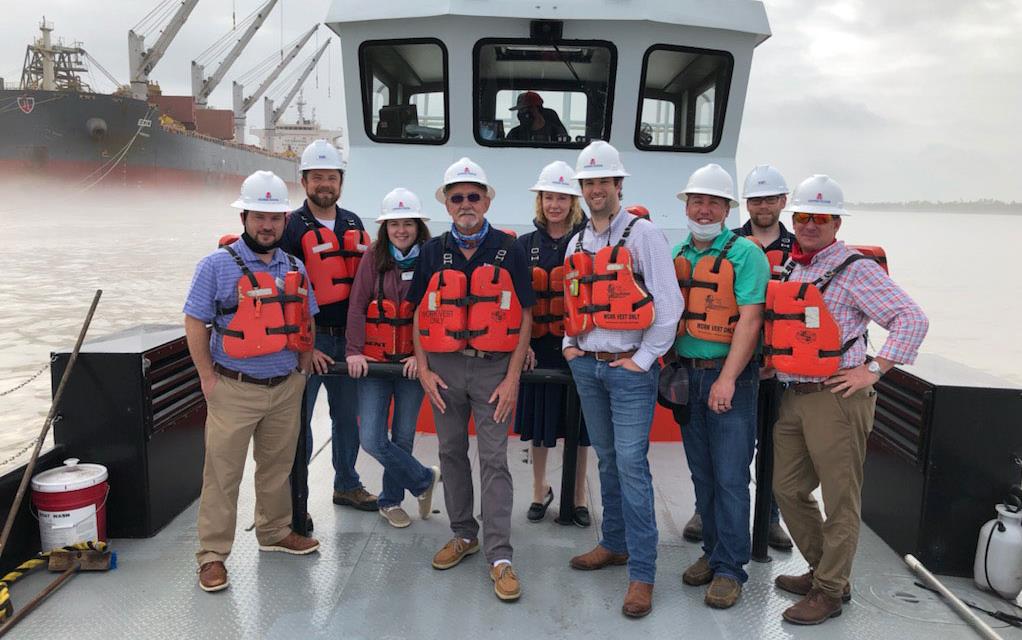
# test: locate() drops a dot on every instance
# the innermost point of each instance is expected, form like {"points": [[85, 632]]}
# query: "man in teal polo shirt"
{"points": [[724, 298]]}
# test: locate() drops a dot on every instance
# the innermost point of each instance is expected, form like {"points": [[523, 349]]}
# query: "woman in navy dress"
{"points": [[540, 415]]}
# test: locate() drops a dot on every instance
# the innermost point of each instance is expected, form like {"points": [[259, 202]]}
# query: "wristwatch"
{"points": [[874, 367]]}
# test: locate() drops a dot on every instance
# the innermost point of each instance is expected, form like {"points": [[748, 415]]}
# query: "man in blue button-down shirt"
{"points": [[256, 398]]}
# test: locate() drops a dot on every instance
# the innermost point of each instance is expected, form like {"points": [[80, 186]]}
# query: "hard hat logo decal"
{"points": [[400, 204], [819, 196], [269, 196]]}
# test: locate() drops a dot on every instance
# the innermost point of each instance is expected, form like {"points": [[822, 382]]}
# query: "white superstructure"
{"points": [[431, 81]]}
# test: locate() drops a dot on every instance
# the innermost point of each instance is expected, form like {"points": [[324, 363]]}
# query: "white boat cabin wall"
{"points": [[428, 82]]}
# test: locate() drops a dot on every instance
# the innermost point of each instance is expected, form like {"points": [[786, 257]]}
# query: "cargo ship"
{"points": [[54, 126]]}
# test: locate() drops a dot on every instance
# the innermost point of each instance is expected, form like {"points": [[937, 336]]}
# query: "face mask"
{"points": [[525, 116], [704, 232]]}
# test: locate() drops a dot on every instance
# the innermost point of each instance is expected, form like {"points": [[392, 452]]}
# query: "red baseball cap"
{"points": [[528, 99]]}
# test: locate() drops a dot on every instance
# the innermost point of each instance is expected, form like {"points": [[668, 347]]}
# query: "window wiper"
{"points": [[568, 64]]}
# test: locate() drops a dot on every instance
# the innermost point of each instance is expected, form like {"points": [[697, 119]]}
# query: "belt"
{"points": [[609, 356], [241, 377], [485, 355], [702, 363], [803, 388], [331, 331]]}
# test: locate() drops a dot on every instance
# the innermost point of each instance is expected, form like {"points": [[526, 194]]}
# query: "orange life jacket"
{"points": [[578, 292], [800, 335], [484, 314], [226, 239], [618, 300], [711, 310], [388, 328], [778, 258], [548, 314], [875, 253], [266, 320], [331, 263]]}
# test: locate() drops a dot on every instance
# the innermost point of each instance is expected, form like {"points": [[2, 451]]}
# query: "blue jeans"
{"points": [[400, 470], [618, 407], [719, 449], [342, 398]]}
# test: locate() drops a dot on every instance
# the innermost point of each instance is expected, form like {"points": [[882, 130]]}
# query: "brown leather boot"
{"points": [[598, 558], [638, 600], [815, 608], [803, 584]]}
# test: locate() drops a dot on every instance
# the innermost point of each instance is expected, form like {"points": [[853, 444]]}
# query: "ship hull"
{"points": [[87, 140]]}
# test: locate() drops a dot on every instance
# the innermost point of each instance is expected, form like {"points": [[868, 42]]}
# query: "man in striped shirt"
{"points": [[820, 435]]}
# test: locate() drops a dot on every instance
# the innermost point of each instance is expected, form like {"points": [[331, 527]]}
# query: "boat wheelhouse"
{"points": [[430, 82]]}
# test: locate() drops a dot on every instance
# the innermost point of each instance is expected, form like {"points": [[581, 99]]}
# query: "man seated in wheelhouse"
{"points": [[536, 123]]}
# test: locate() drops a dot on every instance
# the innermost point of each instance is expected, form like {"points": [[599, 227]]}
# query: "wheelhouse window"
{"points": [[684, 94], [533, 94], [404, 90]]}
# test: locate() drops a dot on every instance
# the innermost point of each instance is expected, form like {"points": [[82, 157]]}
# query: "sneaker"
{"points": [[693, 531], [454, 552], [815, 608], [698, 574], [803, 584], [537, 510], [778, 538], [723, 592], [505, 582], [213, 576], [292, 543], [426, 497], [396, 516], [358, 498]]}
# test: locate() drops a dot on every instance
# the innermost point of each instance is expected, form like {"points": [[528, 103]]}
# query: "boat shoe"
{"points": [[454, 552], [292, 543], [213, 576], [426, 497], [505, 582]]}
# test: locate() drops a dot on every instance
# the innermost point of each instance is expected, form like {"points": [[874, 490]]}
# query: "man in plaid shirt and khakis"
{"points": [[820, 435]]}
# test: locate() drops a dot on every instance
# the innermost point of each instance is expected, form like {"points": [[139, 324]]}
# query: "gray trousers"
{"points": [[470, 382]]}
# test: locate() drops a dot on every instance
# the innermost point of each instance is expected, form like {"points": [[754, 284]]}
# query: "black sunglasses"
{"points": [[459, 198]]}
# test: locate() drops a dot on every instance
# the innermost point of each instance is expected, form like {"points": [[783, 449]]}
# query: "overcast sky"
{"points": [[913, 99]]}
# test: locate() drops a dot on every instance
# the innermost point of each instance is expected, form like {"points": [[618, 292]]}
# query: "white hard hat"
{"points": [[557, 177], [599, 160], [320, 154], [401, 204], [762, 181], [263, 191], [710, 180], [464, 170], [818, 194]]}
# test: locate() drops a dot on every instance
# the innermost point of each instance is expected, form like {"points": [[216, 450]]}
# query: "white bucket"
{"points": [[71, 504]]}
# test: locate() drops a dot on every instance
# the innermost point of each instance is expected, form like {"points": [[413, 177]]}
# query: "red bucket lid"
{"points": [[71, 477]]}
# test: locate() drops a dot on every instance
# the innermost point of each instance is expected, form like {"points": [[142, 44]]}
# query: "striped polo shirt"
{"points": [[216, 280]]}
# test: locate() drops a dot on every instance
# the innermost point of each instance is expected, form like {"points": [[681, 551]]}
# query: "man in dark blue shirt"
{"points": [[323, 177], [483, 384]]}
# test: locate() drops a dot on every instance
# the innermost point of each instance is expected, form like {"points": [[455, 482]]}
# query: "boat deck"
{"points": [[370, 580]]}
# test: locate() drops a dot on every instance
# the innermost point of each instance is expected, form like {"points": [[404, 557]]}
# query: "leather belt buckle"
{"points": [[475, 353]]}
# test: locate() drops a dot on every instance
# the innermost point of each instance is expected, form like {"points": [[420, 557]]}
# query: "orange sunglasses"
{"points": [[817, 218]]}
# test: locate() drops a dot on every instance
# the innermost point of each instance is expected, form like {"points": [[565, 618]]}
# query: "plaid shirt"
{"points": [[860, 293]]}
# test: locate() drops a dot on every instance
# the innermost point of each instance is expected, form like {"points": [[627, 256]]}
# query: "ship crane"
{"points": [[243, 104], [142, 62], [201, 86], [270, 115]]}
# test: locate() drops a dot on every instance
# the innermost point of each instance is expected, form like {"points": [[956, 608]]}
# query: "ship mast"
{"points": [[52, 67], [142, 62]]}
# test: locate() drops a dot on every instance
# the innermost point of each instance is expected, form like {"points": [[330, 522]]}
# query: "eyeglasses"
{"points": [[459, 198], [817, 218], [771, 200]]}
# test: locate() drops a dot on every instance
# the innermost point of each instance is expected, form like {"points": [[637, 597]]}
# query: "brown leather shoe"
{"points": [[505, 582], [693, 531], [598, 558], [292, 543], [358, 498], [699, 573], [815, 608], [213, 576], [454, 552], [638, 600], [723, 592], [803, 584]]}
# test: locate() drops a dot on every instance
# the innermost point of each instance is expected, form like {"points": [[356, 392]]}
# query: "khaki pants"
{"points": [[239, 412], [820, 440]]}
